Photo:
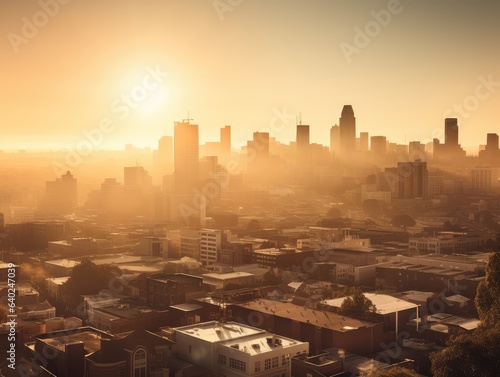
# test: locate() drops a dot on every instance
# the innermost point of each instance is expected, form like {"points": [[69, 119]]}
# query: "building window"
{"points": [[257, 366], [283, 360], [222, 359], [237, 364], [275, 362], [140, 363], [267, 364]]}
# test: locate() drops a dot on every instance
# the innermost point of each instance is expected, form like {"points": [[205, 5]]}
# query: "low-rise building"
{"points": [[235, 349]]}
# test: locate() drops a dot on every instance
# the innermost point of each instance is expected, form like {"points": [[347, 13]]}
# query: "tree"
{"points": [[333, 213], [87, 279], [488, 293], [267, 245], [396, 372], [476, 354], [468, 355], [402, 221], [357, 305]]}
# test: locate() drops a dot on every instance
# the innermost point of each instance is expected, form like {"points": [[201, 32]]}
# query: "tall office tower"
{"points": [[335, 140], [491, 154], [302, 142], [347, 125], [225, 144], [2, 222], [451, 131], [413, 180], [62, 194], [363, 141], [258, 153], [416, 151], [186, 158], [378, 146], [492, 142]]}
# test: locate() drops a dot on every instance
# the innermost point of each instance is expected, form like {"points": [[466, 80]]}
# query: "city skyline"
{"points": [[241, 64]]}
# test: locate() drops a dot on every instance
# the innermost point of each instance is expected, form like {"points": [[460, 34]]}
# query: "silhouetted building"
{"points": [[186, 156], [302, 140], [378, 147], [347, 124], [163, 159], [187, 203], [35, 235], [413, 180], [491, 153], [363, 141], [451, 149], [225, 144], [335, 140], [258, 153], [61, 194], [451, 132]]}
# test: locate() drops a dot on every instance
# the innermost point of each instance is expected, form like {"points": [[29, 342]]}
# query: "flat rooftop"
{"points": [[90, 339], [228, 275], [385, 304], [298, 313], [260, 343], [214, 332]]}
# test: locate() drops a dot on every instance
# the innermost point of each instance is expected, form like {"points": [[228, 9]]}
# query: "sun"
{"points": [[155, 100]]}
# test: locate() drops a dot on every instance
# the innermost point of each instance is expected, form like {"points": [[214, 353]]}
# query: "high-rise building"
{"points": [[258, 153], [451, 131], [378, 146], [61, 194], [186, 157], [225, 144], [363, 141], [210, 244], [450, 150], [335, 140], [413, 180], [492, 142], [163, 159], [302, 141], [347, 124]]}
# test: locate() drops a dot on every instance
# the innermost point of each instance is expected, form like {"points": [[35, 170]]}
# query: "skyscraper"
{"points": [[225, 144], [451, 132], [363, 141], [378, 146], [186, 157], [335, 140], [413, 180], [258, 153], [302, 142], [347, 124], [187, 202]]}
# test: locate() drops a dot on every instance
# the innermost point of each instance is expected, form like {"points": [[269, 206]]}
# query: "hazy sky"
{"points": [[240, 63]]}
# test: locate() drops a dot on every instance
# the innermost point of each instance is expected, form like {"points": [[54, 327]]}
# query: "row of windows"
{"points": [[237, 364]]}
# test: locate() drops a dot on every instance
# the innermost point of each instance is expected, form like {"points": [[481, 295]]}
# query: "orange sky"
{"points": [[240, 64]]}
